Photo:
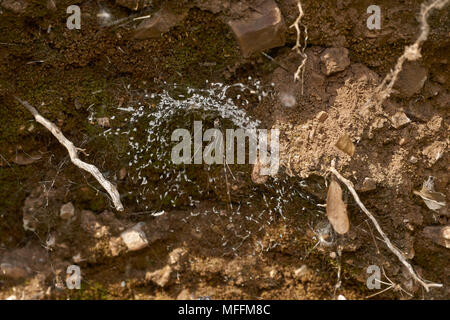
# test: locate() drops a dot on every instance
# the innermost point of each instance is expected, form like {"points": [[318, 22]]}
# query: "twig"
{"points": [[300, 50], [73, 153], [391, 285], [373, 237], [274, 61], [394, 250], [411, 52]]}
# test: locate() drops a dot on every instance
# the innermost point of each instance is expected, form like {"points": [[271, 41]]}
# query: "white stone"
{"points": [[300, 272], [134, 238], [67, 211]]}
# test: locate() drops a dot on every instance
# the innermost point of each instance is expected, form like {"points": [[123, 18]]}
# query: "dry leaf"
{"points": [[336, 209], [24, 160], [434, 200], [345, 144]]}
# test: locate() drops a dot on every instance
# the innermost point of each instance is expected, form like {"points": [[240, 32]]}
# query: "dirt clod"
{"points": [[134, 238], [334, 60]]}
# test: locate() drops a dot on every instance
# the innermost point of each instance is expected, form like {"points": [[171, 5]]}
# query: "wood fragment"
{"points": [[387, 241], [336, 208], [73, 153]]}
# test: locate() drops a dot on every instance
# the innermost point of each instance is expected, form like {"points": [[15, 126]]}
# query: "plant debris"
{"points": [[337, 209]]}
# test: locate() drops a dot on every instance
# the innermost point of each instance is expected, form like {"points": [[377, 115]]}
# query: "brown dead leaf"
{"points": [[336, 209], [24, 160], [345, 144]]}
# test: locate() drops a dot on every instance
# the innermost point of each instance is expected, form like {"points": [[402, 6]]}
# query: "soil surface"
{"points": [[220, 231]]}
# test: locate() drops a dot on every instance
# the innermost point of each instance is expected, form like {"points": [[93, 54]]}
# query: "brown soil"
{"points": [[209, 249]]}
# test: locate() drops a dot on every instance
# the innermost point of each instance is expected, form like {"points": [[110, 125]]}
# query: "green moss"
{"points": [[93, 291], [198, 54], [12, 195]]}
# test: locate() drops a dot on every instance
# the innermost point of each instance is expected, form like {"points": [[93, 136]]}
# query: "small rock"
{"points": [[67, 211], [435, 124], [122, 173], [104, 122], [413, 159], [177, 256], [160, 277], [334, 60], [410, 80], [439, 235], [184, 295], [134, 238], [77, 258], [13, 271], [399, 120], [16, 6], [273, 274], [51, 5], [368, 185], [346, 145], [435, 151], [300, 272], [341, 297], [29, 224], [161, 22], [263, 29], [116, 246], [322, 116]]}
